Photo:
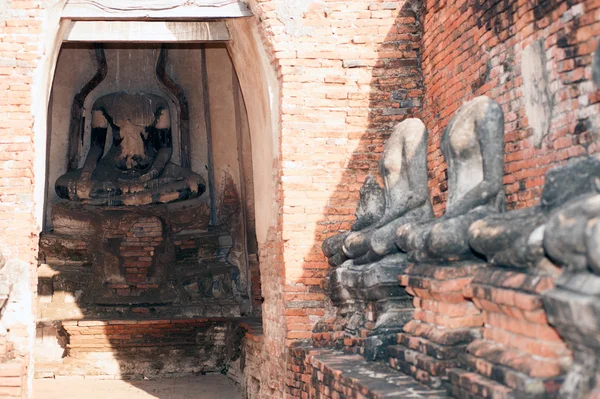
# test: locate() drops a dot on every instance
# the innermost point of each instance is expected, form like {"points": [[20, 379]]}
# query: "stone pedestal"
{"points": [[444, 321], [135, 258], [519, 354], [371, 304], [573, 308]]}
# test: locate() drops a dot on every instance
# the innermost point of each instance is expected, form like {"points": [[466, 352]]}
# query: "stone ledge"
{"points": [[334, 374]]}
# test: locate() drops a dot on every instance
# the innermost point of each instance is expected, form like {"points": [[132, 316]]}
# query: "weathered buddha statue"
{"points": [[473, 147], [137, 169], [404, 172], [370, 209]]}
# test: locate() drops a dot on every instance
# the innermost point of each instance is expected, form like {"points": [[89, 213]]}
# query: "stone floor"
{"points": [[212, 386]]}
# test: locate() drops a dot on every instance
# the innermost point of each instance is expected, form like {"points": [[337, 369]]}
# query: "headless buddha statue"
{"points": [[369, 210], [473, 147], [404, 172], [137, 168], [559, 227]]}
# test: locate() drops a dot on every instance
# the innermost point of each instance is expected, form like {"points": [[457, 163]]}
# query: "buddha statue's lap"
{"points": [[516, 238], [472, 145], [137, 169]]}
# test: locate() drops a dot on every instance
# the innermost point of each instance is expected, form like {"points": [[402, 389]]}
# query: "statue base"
{"points": [[519, 354], [109, 259], [444, 321], [573, 308]]}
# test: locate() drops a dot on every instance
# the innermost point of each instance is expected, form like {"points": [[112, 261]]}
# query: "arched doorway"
{"points": [[244, 86]]}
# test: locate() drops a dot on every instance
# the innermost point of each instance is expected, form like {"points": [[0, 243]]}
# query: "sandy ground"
{"points": [[212, 386]]}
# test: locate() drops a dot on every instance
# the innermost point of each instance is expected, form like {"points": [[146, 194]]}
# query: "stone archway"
{"points": [[258, 84]]}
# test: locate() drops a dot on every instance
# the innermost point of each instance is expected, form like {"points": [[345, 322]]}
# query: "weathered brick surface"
{"points": [[444, 323], [332, 333], [476, 48], [21, 51], [332, 374], [519, 354], [347, 72]]}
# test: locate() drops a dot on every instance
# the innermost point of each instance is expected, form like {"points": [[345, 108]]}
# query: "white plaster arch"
{"points": [[258, 81]]}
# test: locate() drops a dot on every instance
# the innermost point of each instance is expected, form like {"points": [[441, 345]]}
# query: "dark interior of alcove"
{"points": [[148, 289]]}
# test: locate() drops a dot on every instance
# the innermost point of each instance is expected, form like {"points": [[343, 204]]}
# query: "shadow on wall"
{"points": [[364, 98], [468, 49]]}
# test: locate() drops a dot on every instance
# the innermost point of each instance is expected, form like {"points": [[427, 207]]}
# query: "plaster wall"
{"points": [[75, 67], [260, 90], [185, 68], [221, 76], [230, 139]]}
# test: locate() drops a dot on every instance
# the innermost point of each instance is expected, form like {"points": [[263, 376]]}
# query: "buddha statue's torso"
{"points": [[461, 147], [135, 122], [137, 169]]}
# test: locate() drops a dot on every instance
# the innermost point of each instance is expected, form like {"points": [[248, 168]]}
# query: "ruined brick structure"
{"points": [[321, 86]]}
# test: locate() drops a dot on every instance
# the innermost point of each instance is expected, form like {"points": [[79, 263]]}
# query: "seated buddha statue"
{"points": [[572, 234], [473, 147], [137, 169], [371, 206], [404, 172]]}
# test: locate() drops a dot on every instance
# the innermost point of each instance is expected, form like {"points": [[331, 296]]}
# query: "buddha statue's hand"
{"points": [[106, 188], [143, 178]]}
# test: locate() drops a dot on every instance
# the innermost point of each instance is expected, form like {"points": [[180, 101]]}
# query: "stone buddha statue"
{"points": [[473, 147], [572, 234], [137, 169], [370, 209], [404, 172]]}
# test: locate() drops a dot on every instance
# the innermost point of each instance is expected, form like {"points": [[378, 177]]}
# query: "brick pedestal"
{"points": [[148, 348], [319, 373], [444, 321], [519, 354], [137, 251], [573, 308]]}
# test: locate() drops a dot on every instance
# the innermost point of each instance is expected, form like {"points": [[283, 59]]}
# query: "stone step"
{"points": [[425, 369], [520, 361], [527, 376], [429, 348], [441, 336], [353, 376], [469, 385]]}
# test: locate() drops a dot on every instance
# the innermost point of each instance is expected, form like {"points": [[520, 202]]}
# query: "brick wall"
{"points": [[138, 250], [20, 55], [348, 71], [21, 51], [477, 48]]}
